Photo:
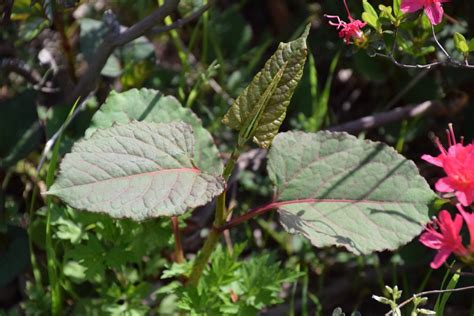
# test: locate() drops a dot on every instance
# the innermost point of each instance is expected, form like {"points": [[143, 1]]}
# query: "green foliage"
{"points": [[461, 43], [233, 287], [124, 60], [261, 107], [320, 99], [371, 17], [392, 295], [444, 297], [139, 170], [108, 264], [391, 298], [328, 185]]}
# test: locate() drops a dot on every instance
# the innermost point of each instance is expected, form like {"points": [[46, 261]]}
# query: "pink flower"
{"points": [[447, 240], [348, 31], [458, 164], [469, 219], [433, 8]]}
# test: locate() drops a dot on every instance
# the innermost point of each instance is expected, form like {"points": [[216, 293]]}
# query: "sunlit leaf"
{"points": [[335, 189], [283, 71], [138, 170]]}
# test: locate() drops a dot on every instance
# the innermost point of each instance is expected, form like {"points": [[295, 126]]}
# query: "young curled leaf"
{"points": [[261, 107]]}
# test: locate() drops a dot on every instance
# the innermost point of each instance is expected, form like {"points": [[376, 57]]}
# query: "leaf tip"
{"points": [[305, 33]]}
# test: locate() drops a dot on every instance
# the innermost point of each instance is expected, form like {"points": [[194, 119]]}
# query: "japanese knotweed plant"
{"points": [[145, 156]]}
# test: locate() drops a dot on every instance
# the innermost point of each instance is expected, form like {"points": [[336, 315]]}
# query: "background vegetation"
{"points": [[203, 57]]}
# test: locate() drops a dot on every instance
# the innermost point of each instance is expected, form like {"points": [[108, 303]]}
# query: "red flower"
{"points": [[348, 31], [433, 8], [447, 240], [458, 163]]}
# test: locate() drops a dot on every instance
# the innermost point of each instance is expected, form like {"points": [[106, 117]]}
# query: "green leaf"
{"points": [[386, 12], [396, 8], [69, 230], [75, 271], [335, 189], [369, 8], [370, 16], [461, 43], [371, 20], [471, 45], [320, 113], [264, 113], [139, 170], [31, 28], [152, 106], [249, 128], [90, 257], [444, 297]]}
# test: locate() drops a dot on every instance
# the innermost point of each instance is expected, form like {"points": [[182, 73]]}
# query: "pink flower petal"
{"points": [[465, 197], [410, 6], [437, 161], [447, 222], [469, 219], [431, 240], [435, 12], [440, 258], [445, 185]]}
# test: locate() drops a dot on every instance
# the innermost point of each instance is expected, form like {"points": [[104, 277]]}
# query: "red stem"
{"points": [[177, 240], [347, 9], [250, 214]]}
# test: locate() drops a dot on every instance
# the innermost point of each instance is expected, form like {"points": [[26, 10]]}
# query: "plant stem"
{"points": [[203, 257], [250, 214], [56, 300], [213, 238], [466, 288], [177, 240], [34, 262], [51, 259]]}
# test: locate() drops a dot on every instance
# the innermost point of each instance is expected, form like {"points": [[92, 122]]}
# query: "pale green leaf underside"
{"points": [[152, 106], [290, 56], [138, 170], [335, 189]]}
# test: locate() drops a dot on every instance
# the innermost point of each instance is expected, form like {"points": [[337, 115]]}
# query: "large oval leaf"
{"points": [[152, 106], [138, 170], [335, 189]]}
